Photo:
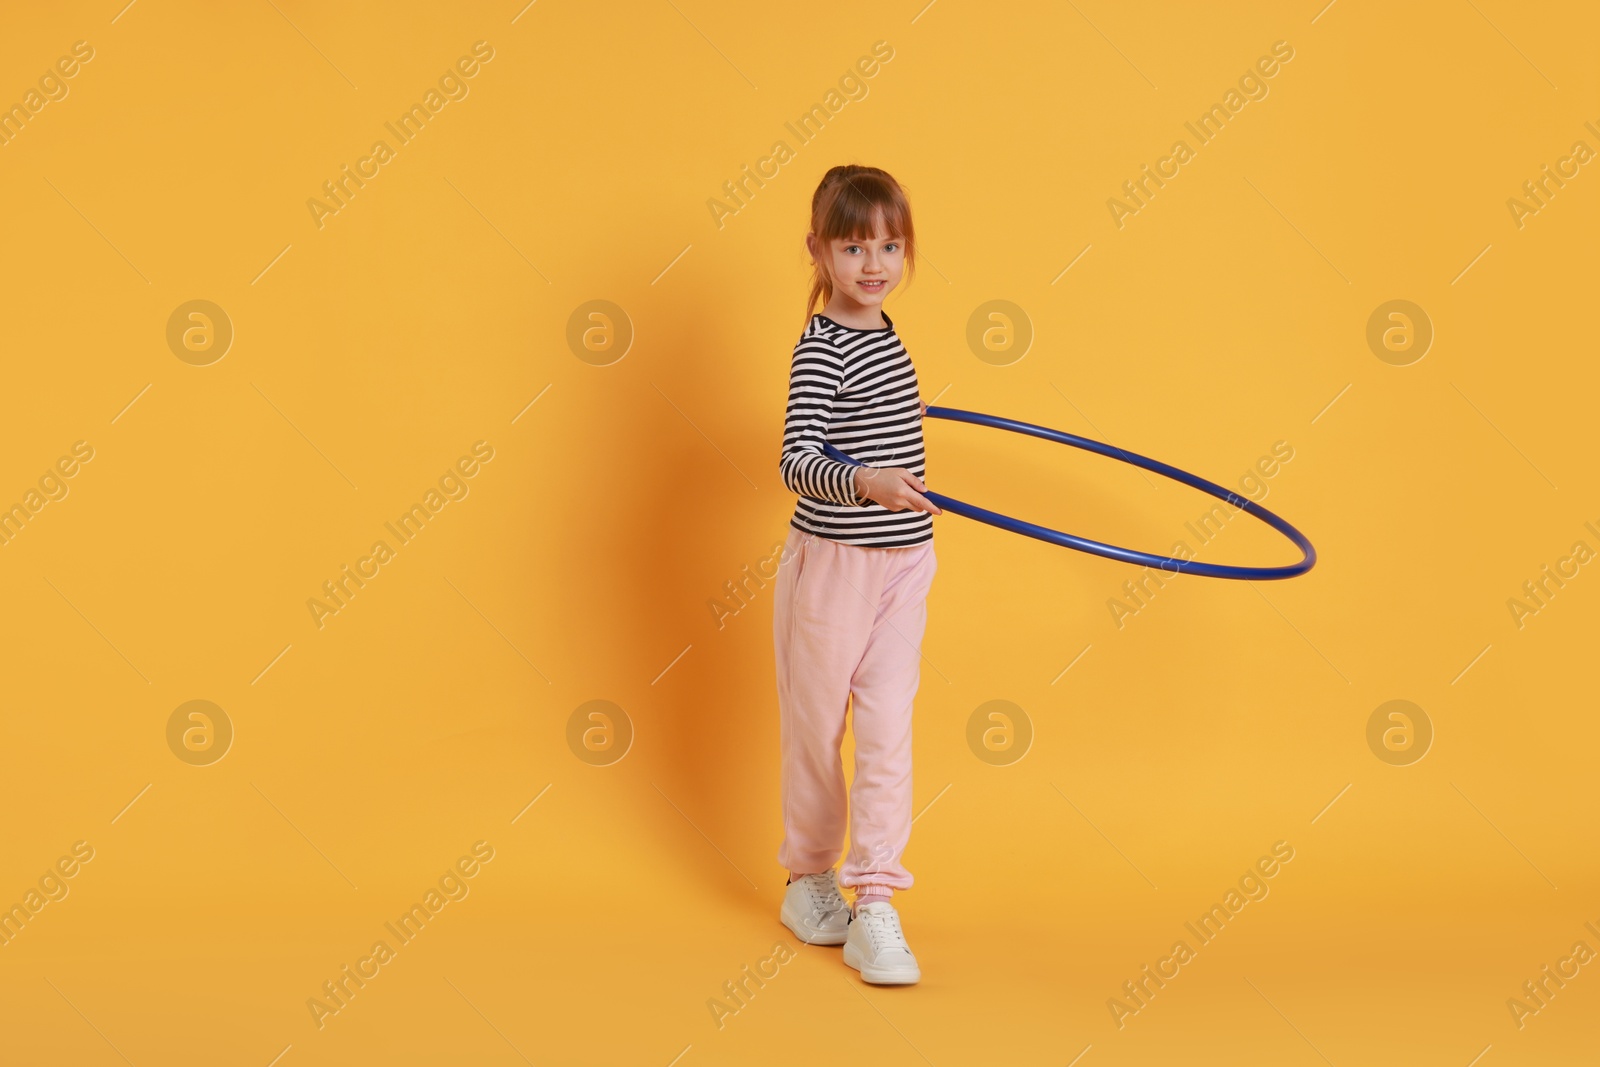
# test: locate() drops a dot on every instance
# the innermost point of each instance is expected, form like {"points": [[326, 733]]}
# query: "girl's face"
{"points": [[864, 269]]}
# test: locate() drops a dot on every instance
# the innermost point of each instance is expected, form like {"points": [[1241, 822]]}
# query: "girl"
{"points": [[849, 609]]}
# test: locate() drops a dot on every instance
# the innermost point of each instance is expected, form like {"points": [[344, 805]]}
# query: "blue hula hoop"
{"points": [[1098, 548]]}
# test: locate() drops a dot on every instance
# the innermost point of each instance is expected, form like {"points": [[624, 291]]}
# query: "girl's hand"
{"points": [[924, 407], [895, 488]]}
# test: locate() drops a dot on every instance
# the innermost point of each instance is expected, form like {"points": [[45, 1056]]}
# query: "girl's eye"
{"points": [[853, 248], [891, 247]]}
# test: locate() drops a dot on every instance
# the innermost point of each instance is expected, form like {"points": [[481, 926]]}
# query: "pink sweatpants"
{"points": [[847, 626]]}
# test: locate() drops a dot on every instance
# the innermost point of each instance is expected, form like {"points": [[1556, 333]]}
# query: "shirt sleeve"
{"points": [[816, 375]]}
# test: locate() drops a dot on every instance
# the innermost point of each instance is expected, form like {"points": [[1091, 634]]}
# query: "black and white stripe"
{"points": [[856, 389]]}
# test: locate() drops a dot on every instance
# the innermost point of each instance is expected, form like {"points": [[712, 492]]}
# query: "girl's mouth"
{"points": [[872, 287]]}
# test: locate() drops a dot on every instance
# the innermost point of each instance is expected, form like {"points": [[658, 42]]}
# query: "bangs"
{"points": [[858, 203]]}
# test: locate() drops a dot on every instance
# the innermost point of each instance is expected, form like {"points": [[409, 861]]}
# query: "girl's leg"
{"points": [[820, 628], [884, 685]]}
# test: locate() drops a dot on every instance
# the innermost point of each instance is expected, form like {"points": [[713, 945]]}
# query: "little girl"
{"points": [[849, 609]]}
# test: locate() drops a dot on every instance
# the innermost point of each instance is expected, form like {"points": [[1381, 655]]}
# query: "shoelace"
{"points": [[884, 930], [824, 894]]}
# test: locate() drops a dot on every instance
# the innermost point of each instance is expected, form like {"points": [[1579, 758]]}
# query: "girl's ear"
{"points": [[811, 244]]}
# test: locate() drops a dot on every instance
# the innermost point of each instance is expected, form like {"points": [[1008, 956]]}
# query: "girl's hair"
{"points": [[846, 204]]}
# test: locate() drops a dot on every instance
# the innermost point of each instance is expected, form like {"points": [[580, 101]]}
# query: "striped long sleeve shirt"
{"points": [[857, 390]]}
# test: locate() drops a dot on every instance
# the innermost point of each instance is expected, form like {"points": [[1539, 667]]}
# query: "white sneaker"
{"points": [[814, 910], [876, 947]]}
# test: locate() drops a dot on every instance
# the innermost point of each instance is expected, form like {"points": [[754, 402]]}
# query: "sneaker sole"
{"points": [[811, 935], [879, 975]]}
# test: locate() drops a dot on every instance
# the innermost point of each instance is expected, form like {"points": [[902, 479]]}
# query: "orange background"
{"points": [[431, 312]]}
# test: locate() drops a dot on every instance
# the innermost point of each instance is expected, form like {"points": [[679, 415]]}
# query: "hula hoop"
{"points": [[1098, 548]]}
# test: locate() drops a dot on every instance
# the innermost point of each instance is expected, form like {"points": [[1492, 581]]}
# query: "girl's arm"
{"points": [[816, 375]]}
